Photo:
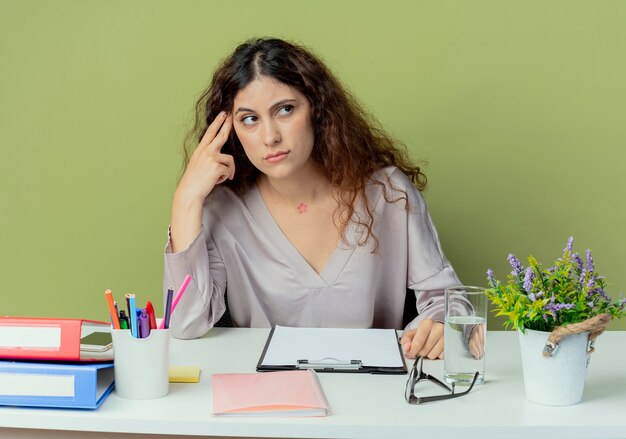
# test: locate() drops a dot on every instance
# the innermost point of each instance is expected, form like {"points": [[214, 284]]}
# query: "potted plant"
{"points": [[558, 312]]}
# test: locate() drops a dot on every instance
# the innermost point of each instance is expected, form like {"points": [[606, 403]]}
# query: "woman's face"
{"points": [[273, 123]]}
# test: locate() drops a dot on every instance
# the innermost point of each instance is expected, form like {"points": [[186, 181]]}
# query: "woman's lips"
{"points": [[277, 157]]}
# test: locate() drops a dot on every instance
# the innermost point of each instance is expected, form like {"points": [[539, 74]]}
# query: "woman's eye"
{"points": [[286, 109], [248, 120]]}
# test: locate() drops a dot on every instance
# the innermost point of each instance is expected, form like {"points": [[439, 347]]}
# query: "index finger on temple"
{"points": [[213, 128], [222, 136]]}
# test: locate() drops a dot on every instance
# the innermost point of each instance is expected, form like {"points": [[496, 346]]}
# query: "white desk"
{"points": [[363, 406]]}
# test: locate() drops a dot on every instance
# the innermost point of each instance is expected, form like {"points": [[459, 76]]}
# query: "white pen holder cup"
{"points": [[141, 364]]}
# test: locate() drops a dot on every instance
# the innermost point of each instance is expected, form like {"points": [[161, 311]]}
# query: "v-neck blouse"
{"points": [[241, 248]]}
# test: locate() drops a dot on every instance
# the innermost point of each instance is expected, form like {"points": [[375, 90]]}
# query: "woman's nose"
{"points": [[271, 134]]}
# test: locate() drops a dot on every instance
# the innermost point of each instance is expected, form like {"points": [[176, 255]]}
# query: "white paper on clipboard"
{"points": [[376, 348]]}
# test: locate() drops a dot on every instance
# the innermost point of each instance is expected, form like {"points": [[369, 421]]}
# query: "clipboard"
{"points": [[348, 350]]}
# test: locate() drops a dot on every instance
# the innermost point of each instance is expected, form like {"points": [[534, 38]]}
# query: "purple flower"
{"points": [[601, 292], [515, 263], [545, 317], [579, 262], [589, 261], [591, 283], [568, 247], [553, 307], [560, 306], [590, 304], [623, 304], [528, 279], [490, 277], [583, 276], [532, 297]]}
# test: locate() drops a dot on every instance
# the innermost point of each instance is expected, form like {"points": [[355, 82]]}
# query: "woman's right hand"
{"points": [[207, 167]]}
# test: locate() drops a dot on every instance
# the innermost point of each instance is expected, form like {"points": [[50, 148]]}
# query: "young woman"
{"points": [[301, 207]]}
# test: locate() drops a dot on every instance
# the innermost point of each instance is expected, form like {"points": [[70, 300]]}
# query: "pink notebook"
{"points": [[285, 393]]}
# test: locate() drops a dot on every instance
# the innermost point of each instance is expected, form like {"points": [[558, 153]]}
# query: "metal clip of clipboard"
{"points": [[329, 363]]}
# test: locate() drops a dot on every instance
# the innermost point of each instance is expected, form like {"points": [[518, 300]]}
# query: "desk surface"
{"points": [[362, 406]]}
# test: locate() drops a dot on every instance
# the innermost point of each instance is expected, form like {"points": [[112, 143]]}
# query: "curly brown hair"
{"points": [[349, 143]]}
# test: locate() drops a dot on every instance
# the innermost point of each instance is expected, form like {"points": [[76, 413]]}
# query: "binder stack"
{"points": [[43, 363]]}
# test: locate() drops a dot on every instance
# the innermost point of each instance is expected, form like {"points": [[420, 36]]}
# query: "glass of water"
{"points": [[465, 333]]}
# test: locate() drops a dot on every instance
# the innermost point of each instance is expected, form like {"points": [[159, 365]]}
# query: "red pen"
{"points": [[151, 315]]}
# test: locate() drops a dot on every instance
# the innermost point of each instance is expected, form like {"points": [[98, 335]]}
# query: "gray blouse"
{"points": [[241, 247]]}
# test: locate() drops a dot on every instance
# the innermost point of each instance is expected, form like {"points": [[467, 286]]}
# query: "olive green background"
{"points": [[517, 106]]}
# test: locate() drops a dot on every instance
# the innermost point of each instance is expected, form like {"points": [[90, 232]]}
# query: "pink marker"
{"points": [[182, 289]]}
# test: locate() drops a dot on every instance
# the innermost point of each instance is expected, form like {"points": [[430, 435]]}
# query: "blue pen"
{"points": [[137, 314], [133, 314]]}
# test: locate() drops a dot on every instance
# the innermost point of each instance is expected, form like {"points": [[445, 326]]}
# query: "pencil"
{"points": [[109, 297]]}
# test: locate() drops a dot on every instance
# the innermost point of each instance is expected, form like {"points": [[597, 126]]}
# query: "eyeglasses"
{"points": [[417, 374]]}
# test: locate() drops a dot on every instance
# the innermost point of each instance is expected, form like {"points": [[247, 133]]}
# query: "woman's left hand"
{"points": [[425, 341], [476, 342]]}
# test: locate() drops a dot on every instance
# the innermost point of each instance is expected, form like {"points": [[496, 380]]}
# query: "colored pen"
{"points": [[151, 315], [132, 315], [116, 312], [123, 320], [180, 293], [144, 324], [109, 298], [165, 323], [128, 306]]}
